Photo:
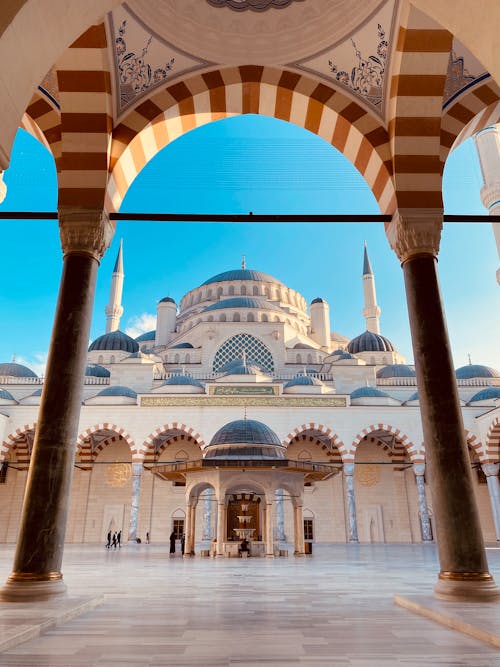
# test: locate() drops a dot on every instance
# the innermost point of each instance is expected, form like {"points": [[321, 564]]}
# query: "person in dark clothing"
{"points": [[108, 543], [147, 538], [119, 539], [172, 543], [183, 543], [114, 540], [244, 546]]}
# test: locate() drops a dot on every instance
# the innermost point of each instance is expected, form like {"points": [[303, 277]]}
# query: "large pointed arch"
{"points": [[174, 432], [22, 439], [311, 428], [493, 442], [415, 452], [285, 95]]}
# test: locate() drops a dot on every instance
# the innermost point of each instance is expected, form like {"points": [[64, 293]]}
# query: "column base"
{"points": [[32, 588], [269, 555], [466, 587], [298, 554]]}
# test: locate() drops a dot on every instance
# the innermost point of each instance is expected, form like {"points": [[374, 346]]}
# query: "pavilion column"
{"points": [[280, 514], [187, 530], [221, 511], [423, 510], [350, 499], [207, 514], [36, 574], [299, 530], [190, 533], [415, 235], [491, 472], [488, 147], [134, 507], [269, 530]]}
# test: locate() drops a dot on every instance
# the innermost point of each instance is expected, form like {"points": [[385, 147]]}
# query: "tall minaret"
{"points": [[114, 308], [371, 311]]}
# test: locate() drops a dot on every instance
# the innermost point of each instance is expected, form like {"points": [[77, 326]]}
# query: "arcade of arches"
{"points": [[424, 78]]}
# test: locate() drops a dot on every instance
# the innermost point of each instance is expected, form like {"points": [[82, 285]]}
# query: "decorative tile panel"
{"points": [[256, 5], [249, 401]]}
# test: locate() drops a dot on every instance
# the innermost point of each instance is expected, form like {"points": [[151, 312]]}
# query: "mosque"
{"points": [[244, 414]]}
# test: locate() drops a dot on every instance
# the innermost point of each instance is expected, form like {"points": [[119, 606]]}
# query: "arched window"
{"points": [[176, 359], [188, 359], [210, 318], [219, 291], [276, 318], [309, 359], [233, 348], [209, 294], [100, 359], [236, 317], [244, 290], [222, 318], [112, 359], [298, 359], [250, 317], [264, 317], [255, 290], [231, 290]]}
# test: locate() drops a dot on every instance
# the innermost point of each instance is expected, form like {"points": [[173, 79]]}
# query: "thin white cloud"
{"points": [[140, 324], [37, 362]]}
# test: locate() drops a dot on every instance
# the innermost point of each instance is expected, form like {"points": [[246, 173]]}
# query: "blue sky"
{"points": [[238, 165]]}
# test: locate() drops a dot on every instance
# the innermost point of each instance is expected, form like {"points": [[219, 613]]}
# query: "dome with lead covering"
{"points": [[182, 380], [97, 371], [118, 390], [369, 392], [472, 371], [6, 395], [245, 439], [12, 369], [242, 274], [396, 371], [115, 340], [488, 394], [370, 342], [243, 302], [303, 380], [149, 335]]}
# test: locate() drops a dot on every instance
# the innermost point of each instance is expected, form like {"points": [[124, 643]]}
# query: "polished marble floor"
{"points": [[332, 609]]}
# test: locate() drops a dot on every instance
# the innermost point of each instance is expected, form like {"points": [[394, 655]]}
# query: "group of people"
{"points": [[173, 539], [114, 539]]}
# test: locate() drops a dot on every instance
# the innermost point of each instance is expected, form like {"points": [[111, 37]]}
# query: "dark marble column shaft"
{"points": [[459, 537]]}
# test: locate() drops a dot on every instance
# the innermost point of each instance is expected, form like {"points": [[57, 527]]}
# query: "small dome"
{"points": [[472, 371], [38, 392], [303, 346], [236, 367], [242, 274], [370, 342], [6, 395], [318, 299], [182, 346], [245, 438], [96, 371], [488, 394], [167, 299], [149, 335], [338, 351], [396, 371], [369, 392], [303, 380], [118, 390], [115, 340], [242, 302], [343, 355], [12, 369], [182, 380], [413, 397]]}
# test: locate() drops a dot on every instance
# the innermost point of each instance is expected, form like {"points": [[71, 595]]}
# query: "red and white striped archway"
{"points": [[11, 440], [321, 428], [178, 430], [83, 448], [415, 452]]}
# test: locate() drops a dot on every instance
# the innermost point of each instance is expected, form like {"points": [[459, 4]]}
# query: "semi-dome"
{"points": [[243, 302], [370, 342], [97, 371], [396, 371], [488, 394], [369, 392], [303, 380], [245, 439], [38, 392], [182, 346], [115, 340], [118, 390], [6, 395], [242, 274], [303, 346], [149, 335], [12, 369], [413, 397], [472, 371], [243, 367], [182, 380], [343, 355]]}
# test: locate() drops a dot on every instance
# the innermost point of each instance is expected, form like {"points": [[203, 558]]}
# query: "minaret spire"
{"points": [[371, 311], [243, 262], [114, 308]]}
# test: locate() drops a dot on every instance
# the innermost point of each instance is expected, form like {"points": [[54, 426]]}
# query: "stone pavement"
{"points": [[335, 608]]}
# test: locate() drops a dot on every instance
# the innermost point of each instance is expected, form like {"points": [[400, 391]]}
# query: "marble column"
{"points": [[36, 574], [187, 530], [423, 510], [136, 492], [350, 499], [491, 472], [280, 514], [269, 531], [488, 147], [192, 535], [415, 235], [207, 514], [299, 531], [220, 528]]}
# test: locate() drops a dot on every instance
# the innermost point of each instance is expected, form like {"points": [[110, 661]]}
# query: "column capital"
{"points": [[349, 469], [419, 469], [490, 469], [415, 232], [86, 231]]}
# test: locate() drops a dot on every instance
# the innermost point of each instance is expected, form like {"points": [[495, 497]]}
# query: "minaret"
{"points": [[371, 311], [114, 308]]}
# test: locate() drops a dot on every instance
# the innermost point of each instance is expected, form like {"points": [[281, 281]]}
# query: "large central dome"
{"points": [[242, 274], [245, 439]]}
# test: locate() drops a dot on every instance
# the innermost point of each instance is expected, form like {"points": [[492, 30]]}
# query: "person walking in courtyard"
{"points": [[183, 543], [172, 543], [147, 538], [114, 540], [119, 539], [108, 543]]}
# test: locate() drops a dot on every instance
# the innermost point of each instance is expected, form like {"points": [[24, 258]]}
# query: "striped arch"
{"points": [[469, 114], [84, 81], [12, 441], [493, 442], [285, 95], [475, 444], [415, 452], [324, 430], [179, 433], [42, 120], [416, 96], [88, 453]]}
